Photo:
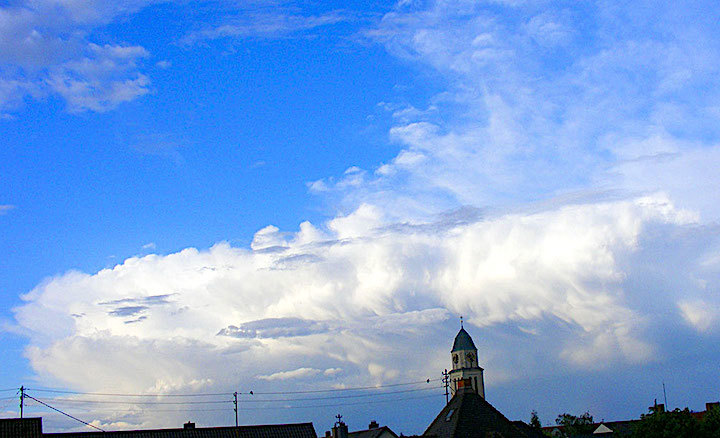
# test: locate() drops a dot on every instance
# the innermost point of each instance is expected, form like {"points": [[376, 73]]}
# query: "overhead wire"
{"points": [[262, 400], [329, 405], [358, 388], [277, 403], [64, 413], [90, 409], [347, 389], [335, 397], [304, 406], [109, 394], [205, 402]]}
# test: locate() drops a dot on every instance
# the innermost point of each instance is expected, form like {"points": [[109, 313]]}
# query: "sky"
{"points": [[283, 197]]}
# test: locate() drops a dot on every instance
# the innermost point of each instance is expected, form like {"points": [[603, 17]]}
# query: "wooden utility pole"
{"points": [[235, 403], [446, 382], [22, 400]]}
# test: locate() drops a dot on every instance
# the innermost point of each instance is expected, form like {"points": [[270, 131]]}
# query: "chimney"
{"points": [[327, 434], [373, 425], [340, 430], [189, 425], [710, 406]]}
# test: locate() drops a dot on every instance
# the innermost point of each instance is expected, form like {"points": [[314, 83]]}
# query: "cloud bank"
{"points": [[560, 194]]}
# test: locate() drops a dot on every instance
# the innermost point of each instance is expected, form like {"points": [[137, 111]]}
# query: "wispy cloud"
{"points": [[264, 24], [160, 144], [6, 208]]}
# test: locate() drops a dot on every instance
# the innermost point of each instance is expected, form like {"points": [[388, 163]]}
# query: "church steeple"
{"points": [[465, 363]]}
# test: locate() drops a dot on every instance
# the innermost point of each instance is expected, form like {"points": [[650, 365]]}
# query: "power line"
{"points": [[140, 410], [265, 400], [336, 397], [358, 388], [344, 404], [64, 413], [143, 410], [60, 391], [347, 389], [8, 390], [70, 400]]}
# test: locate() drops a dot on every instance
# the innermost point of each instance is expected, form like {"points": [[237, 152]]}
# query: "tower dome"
{"points": [[463, 341]]}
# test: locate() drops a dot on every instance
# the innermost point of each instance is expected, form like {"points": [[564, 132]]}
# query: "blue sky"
{"points": [[213, 196]]}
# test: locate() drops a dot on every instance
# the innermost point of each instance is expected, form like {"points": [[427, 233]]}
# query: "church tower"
{"points": [[465, 367]]}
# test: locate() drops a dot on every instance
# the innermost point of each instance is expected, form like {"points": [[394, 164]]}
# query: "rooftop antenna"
{"points": [[339, 418]]}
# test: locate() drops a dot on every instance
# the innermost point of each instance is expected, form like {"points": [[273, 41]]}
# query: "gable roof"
{"points": [[20, 427], [463, 341], [371, 433], [468, 415], [298, 430]]}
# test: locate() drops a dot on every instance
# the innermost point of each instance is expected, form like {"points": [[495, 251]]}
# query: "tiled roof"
{"points": [[299, 430], [468, 415], [371, 433], [463, 341], [20, 427]]}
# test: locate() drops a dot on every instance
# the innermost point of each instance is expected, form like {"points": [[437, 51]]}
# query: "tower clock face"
{"points": [[455, 358]]}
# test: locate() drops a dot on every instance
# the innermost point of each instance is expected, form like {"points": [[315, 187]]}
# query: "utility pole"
{"points": [[235, 403], [665, 397], [446, 382], [22, 400]]}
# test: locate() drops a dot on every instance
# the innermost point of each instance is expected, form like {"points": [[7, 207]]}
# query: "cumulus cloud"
{"points": [[560, 195], [44, 50], [356, 306]]}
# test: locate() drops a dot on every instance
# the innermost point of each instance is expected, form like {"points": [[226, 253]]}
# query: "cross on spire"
{"points": [[461, 321]]}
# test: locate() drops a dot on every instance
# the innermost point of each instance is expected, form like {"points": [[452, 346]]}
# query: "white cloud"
{"points": [[520, 125], [44, 50], [4, 209], [549, 29], [561, 205], [101, 81], [371, 298], [700, 314], [292, 374], [266, 24]]}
